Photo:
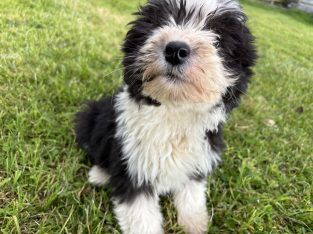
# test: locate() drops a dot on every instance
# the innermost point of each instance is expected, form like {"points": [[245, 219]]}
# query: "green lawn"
{"points": [[54, 54]]}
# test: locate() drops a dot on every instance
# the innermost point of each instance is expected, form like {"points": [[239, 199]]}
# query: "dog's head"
{"points": [[187, 50]]}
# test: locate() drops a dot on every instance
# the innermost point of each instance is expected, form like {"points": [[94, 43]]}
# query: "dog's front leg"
{"points": [[139, 216], [191, 207]]}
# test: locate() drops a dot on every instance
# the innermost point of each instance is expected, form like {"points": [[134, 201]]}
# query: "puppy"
{"points": [[186, 64]]}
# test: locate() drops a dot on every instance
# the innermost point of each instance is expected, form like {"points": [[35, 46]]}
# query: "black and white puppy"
{"points": [[186, 64]]}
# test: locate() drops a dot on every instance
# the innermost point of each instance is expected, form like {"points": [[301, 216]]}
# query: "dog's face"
{"points": [[185, 50]]}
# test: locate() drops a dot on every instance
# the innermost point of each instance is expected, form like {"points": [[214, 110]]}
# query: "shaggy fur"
{"points": [[161, 132]]}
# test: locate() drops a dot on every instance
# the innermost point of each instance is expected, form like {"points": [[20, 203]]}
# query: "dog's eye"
{"points": [[217, 44]]}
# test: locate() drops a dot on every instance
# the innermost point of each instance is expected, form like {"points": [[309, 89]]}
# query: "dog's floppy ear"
{"points": [[235, 39], [236, 47]]}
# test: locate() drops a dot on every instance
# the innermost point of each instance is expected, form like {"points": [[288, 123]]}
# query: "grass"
{"points": [[54, 54]]}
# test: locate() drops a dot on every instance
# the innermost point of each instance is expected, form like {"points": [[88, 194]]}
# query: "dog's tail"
{"points": [[92, 125], [85, 122]]}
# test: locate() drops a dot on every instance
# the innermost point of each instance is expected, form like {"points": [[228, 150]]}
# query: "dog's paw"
{"points": [[98, 176], [196, 223]]}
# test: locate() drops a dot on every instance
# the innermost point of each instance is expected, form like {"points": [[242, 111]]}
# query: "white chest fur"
{"points": [[164, 146]]}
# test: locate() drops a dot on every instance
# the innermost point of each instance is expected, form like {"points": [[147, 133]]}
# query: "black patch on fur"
{"points": [[216, 140], [236, 47], [142, 99], [95, 129]]}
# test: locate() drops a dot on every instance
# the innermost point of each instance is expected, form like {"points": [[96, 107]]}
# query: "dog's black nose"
{"points": [[176, 52]]}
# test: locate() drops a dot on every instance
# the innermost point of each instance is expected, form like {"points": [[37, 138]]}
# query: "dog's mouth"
{"points": [[173, 77], [170, 76]]}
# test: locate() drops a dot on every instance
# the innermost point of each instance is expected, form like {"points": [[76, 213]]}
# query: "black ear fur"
{"points": [[149, 17], [237, 50]]}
